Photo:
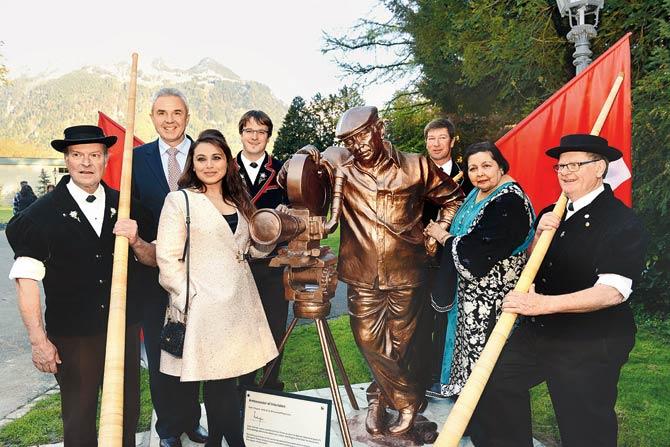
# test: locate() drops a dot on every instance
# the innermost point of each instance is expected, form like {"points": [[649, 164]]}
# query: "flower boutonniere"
{"points": [[262, 177], [72, 214], [112, 213]]}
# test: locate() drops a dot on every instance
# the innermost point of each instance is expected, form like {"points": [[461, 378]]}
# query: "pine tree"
{"points": [[42, 182], [296, 131]]}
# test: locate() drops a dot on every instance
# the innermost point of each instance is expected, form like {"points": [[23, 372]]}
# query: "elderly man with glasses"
{"points": [[579, 328]]}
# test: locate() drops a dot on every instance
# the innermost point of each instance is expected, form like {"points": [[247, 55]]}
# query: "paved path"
{"points": [[20, 382]]}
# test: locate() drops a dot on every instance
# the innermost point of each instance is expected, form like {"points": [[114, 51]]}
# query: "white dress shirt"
{"points": [[251, 171], [31, 268], [182, 153], [623, 284], [446, 168]]}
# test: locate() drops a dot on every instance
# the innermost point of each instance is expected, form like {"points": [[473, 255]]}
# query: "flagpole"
{"points": [[111, 409], [460, 414]]}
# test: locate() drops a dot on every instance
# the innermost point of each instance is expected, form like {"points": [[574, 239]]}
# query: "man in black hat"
{"points": [[382, 255], [66, 240], [579, 328]]}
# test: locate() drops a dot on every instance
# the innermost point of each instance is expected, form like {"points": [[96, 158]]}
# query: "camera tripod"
{"points": [[311, 300]]}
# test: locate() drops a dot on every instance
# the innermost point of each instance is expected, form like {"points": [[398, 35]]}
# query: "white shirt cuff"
{"points": [[621, 283], [25, 267]]}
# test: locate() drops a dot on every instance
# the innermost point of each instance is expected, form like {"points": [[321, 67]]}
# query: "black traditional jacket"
{"points": [[603, 237], [78, 262]]}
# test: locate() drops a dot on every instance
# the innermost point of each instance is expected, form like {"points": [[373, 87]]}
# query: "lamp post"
{"points": [[583, 16]]}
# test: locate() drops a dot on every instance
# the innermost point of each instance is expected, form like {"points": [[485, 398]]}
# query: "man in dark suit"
{"points": [[259, 170], [440, 136], [156, 168], [66, 240]]}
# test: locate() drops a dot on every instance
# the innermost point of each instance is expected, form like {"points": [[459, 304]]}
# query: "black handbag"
{"points": [[174, 331]]}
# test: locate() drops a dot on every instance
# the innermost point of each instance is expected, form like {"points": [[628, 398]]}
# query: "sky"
{"points": [[277, 43]]}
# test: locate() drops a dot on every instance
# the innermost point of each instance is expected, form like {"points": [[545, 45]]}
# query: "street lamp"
{"points": [[583, 15]]}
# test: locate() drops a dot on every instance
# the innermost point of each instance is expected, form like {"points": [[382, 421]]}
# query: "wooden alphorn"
{"points": [[111, 409], [460, 414]]}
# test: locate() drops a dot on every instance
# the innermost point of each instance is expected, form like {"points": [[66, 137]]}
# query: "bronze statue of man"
{"points": [[382, 254]]}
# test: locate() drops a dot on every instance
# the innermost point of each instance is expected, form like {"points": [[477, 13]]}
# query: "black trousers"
{"points": [[176, 403], [222, 402], [581, 371], [430, 337], [270, 284], [80, 379]]}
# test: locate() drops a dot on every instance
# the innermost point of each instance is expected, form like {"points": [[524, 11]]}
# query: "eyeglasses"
{"points": [[572, 167], [260, 133]]}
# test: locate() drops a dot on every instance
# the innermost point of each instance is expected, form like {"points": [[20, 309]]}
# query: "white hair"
{"points": [[169, 91]]}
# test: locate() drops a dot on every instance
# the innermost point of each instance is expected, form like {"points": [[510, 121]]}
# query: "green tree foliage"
{"points": [[327, 110], [313, 123], [42, 182], [296, 131], [488, 63], [405, 119]]}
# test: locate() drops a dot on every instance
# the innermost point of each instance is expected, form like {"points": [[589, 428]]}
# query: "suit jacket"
{"points": [[78, 262], [150, 188], [265, 191], [430, 210], [149, 183]]}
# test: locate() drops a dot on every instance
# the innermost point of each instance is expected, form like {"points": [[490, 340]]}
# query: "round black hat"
{"points": [[81, 135], [585, 143]]}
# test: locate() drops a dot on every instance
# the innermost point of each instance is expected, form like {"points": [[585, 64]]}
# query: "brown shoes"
{"points": [[404, 423], [374, 422]]}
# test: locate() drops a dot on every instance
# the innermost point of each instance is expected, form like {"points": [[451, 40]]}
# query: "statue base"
{"points": [[423, 432]]}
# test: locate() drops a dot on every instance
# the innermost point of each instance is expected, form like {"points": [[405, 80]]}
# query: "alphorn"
{"points": [[111, 408], [460, 414]]}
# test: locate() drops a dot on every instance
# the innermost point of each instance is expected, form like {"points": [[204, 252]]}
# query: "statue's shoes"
{"points": [[404, 423], [375, 418]]}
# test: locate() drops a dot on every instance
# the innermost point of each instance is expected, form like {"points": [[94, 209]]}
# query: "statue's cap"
{"points": [[354, 120]]}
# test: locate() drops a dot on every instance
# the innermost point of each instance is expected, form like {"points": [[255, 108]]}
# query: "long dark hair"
{"points": [[231, 185]]}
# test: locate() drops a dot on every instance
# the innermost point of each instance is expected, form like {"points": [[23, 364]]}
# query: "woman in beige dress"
{"points": [[227, 334]]}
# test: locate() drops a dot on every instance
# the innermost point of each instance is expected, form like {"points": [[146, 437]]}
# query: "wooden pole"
{"points": [[460, 414], [111, 411]]}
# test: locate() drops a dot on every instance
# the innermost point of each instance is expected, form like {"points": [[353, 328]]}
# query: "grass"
{"points": [[6, 213], [332, 241], [302, 369], [642, 408], [644, 394]]}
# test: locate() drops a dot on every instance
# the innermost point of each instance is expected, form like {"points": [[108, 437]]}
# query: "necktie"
{"points": [[571, 207], [90, 199], [253, 164], [174, 171]]}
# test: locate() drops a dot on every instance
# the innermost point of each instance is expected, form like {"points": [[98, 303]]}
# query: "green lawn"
{"points": [[333, 241], [644, 395], [6, 213]]}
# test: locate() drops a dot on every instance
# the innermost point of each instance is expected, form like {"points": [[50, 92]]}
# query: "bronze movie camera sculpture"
{"points": [[378, 195]]}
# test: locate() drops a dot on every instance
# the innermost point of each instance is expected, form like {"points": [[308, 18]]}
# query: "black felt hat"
{"points": [[81, 135], [581, 142]]}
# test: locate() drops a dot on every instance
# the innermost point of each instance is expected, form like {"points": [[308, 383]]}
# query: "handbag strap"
{"points": [[186, 255]]}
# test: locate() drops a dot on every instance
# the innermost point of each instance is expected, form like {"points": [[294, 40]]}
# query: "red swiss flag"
{"points": [[110, 127], [574, 109]]}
